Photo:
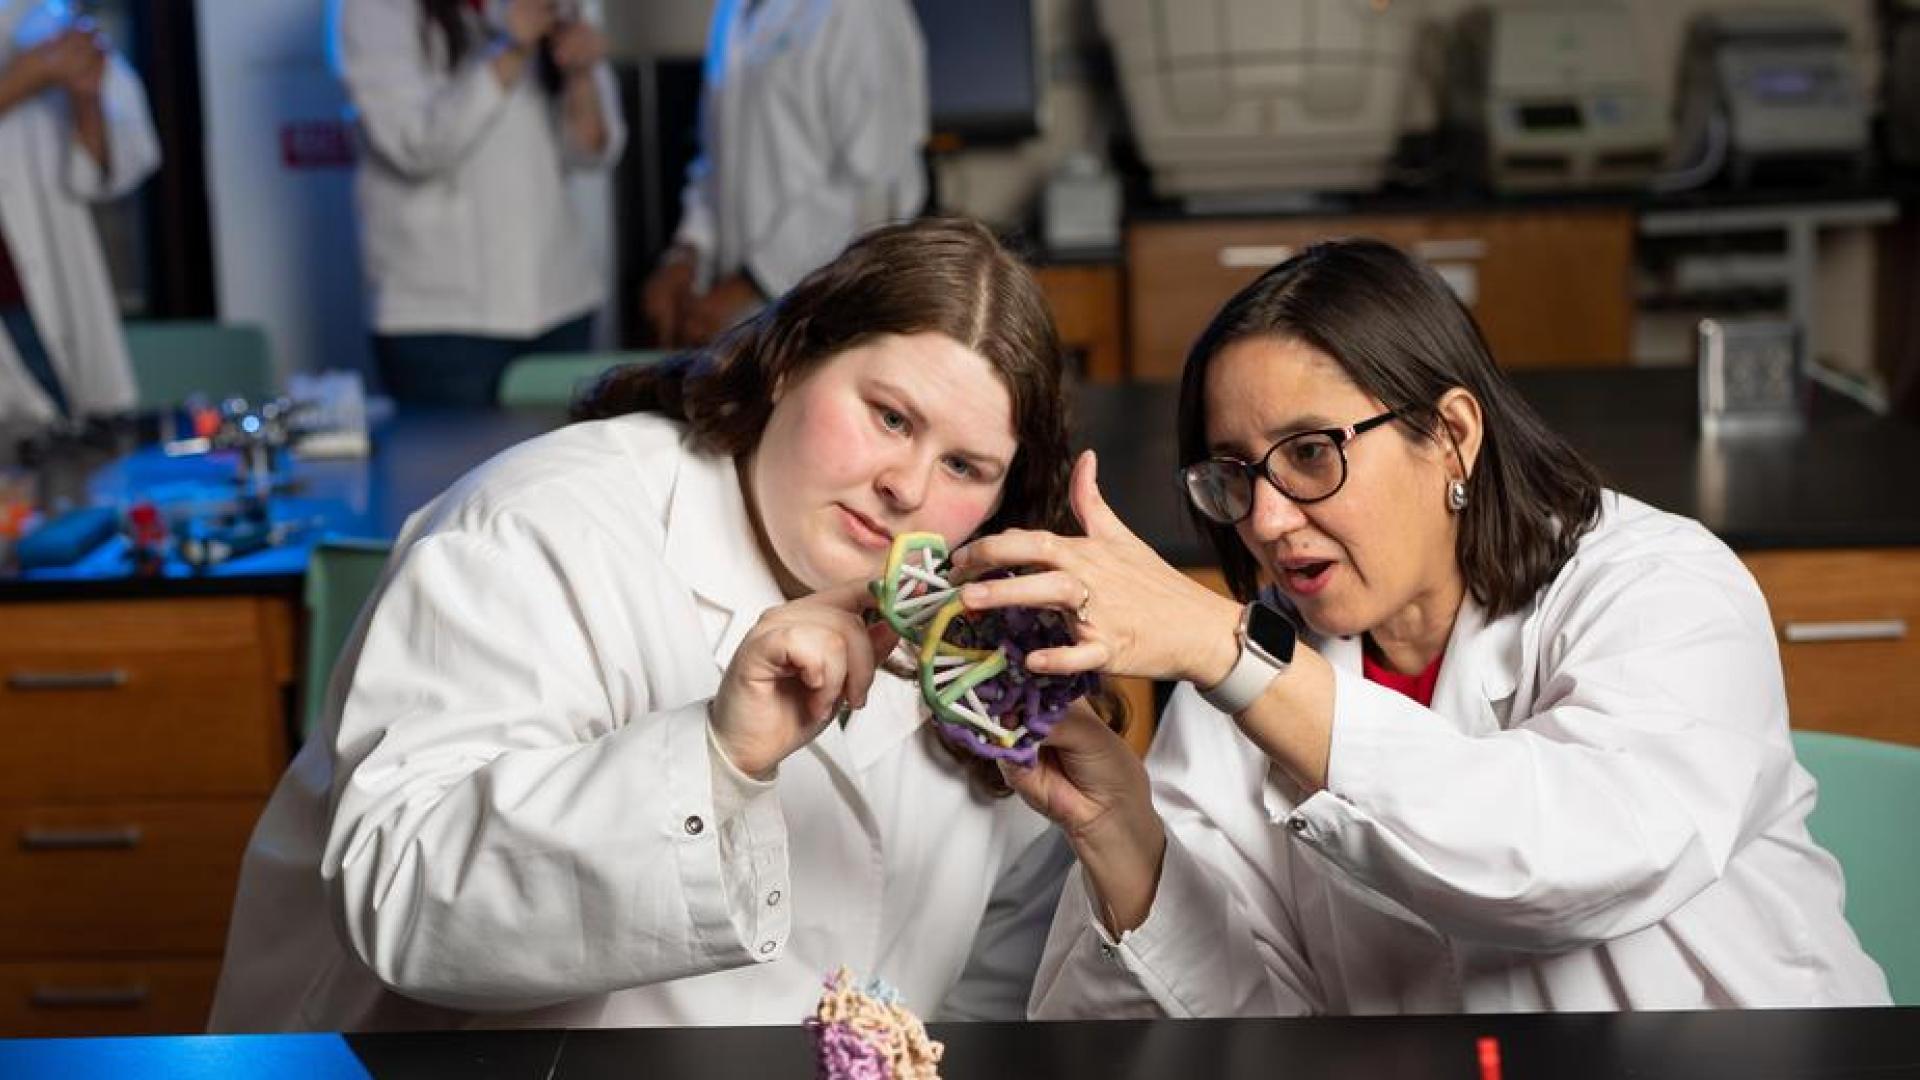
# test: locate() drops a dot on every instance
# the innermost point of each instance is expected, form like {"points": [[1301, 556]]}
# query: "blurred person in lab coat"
{"points": [[579, 764], [1528, 750], [812, 119], [74, 130], [471, 115]]}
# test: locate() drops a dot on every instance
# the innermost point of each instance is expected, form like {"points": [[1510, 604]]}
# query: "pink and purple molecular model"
{"points": [[863, 1032]]}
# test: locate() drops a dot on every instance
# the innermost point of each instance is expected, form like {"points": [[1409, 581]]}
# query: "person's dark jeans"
{"points": [[464, 369], [33, 352]]}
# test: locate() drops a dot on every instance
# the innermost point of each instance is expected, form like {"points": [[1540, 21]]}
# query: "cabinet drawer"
{"points": [[139, 699], [73, 998], [1847, 621], [1180, 273], [1549, 287], [116, 879]]}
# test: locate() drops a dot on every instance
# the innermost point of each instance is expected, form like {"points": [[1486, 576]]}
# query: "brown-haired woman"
{"points": [[471, 116], [578, 765], [1529, 753]]}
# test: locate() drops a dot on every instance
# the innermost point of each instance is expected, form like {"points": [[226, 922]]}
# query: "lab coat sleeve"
{"points": [[875, 89], [999, 975], [498, 839], [133, 150], [1659, 726], [416, 123], [611, 114], [1207, 946]]}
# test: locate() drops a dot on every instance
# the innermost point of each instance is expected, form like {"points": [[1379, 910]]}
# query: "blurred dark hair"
{"points": [[945, 276], [448, 18], [1403, 337]]}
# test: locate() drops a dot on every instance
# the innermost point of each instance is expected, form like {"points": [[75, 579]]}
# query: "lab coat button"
{"points": [[767, 947], [773, 898], [1109, 953], [1297, 823], [694, 825]]}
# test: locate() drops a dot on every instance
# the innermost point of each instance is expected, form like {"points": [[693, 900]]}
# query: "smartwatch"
{"points": [[1266, 638]]}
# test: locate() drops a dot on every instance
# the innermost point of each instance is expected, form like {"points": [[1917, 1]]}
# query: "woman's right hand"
{"points": [[1089, 781], [667, 291], [788, 678]]}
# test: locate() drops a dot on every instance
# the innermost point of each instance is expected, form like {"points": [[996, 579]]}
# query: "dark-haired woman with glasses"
{"points": [[1476, 735]]}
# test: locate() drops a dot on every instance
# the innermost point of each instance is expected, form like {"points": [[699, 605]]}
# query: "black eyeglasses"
{"points": [[1306, 467]]}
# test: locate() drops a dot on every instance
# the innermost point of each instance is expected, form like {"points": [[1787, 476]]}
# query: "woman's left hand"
{"points": [[578, 46], [1131, 613]]}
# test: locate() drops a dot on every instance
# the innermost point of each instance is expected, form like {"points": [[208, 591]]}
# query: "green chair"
{"points": [[173, 360], [341, 575], [1866, 816], [549, 380]]}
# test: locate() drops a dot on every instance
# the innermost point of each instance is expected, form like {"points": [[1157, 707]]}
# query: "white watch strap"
{"points": [[1244, 684]]}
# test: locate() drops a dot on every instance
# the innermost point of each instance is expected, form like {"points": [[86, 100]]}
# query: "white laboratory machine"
{"points": [[1251, 96], [1771, 92], [1551, 96]]}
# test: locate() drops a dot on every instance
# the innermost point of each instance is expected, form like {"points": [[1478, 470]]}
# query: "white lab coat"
{"points": [[513, 820], [465, 224], [811, 123], [1601, 811], [47, 185]]}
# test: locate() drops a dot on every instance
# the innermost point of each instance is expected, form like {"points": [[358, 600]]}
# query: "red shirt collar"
{"points": [[1418, 687]]}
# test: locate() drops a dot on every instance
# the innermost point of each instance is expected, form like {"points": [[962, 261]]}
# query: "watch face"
{"points": [[1271, 630]]}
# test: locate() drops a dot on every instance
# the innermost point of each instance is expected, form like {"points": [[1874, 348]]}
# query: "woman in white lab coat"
{"points": [[812, 119], [1530, 751], [74, 130], [471, 115], [579, 765]]}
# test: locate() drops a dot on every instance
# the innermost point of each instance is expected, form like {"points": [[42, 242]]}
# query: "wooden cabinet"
{"points": [[1846, 620], [1549, 287], [140, 741], [1087, 300]]}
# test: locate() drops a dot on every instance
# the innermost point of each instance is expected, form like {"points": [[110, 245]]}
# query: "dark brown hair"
{"points": [[448, 18], [945, 276], [1401, 335]]}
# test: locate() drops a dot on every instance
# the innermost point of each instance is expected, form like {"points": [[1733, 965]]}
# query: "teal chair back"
{"points": [[549, 380], [1868, 816], [174, 360], [341, 575]]}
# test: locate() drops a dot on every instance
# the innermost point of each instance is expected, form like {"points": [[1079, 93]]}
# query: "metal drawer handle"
{"points": [[1254, 256], [1805, 633], [88, 997], [109, 839], [113, 679]]}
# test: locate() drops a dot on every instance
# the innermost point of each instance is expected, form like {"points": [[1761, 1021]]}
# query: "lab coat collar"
{"points": [[712, 546], [1478, 676]]}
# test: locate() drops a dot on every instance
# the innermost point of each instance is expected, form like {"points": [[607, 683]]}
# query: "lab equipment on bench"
{"points": [[1550, 96], [1769, 94], [1251, 96], [1753, 377]]}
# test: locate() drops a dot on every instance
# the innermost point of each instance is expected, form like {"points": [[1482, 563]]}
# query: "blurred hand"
{"points": [[1131, 613], [73, 60], [705, 317], [525, 22], [787, 679], [578, 47], [89, 66], [668, 290]]}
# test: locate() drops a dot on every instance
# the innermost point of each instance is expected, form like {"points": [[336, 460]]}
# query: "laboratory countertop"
{"points": [[1890, 188], [1849, 480], [1758, 1045]]}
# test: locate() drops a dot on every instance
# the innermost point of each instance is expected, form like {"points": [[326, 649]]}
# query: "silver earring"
{"points": [[1457, 496]]}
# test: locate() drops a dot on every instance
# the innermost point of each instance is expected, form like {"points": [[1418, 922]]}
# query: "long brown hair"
{"points": [[448, 18], [1402, 336], [937, 275]]}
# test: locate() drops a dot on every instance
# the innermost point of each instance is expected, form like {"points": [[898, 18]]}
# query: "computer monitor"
{"points": [[982, 70]]}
